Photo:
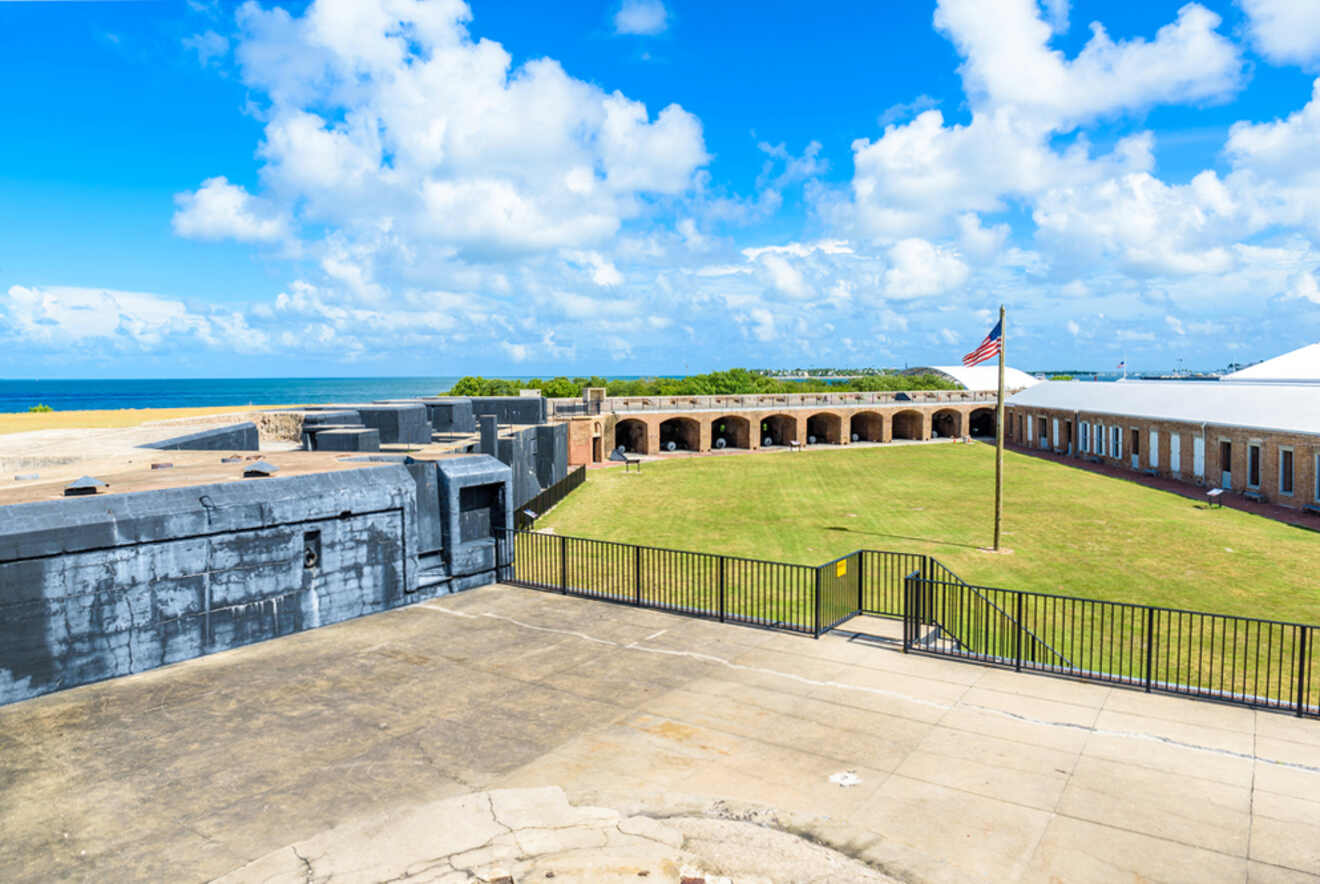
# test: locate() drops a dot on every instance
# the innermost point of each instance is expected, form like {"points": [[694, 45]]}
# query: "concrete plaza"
{"points": [[506, 731]]}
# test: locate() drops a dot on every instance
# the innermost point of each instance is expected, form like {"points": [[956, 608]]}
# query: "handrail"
{"points": [[989, 601]]}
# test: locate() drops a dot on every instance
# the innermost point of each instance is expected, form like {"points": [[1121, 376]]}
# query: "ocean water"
{"points": [[98, 394], [80, 395]]}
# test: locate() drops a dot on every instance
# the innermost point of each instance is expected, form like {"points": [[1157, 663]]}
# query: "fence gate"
{"points": [[838, 592]]}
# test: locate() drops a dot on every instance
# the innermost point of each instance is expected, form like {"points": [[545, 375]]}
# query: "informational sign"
{"points": [[841, 568]]}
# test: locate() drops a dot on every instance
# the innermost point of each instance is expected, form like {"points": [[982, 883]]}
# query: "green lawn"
{"points": [[1071, 532]]}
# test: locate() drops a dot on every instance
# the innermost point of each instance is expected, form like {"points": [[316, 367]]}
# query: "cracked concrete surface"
{"points": [[536, 833], [413, 743]]}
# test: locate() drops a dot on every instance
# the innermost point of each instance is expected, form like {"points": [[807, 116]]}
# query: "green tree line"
{"points": [[717, 383]]}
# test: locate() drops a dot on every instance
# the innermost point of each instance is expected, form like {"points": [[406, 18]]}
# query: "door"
{"points": [[1154, 449], [1136, 449], [1226, 465], [1057, 442], [1198, 457], [1175, 454]]}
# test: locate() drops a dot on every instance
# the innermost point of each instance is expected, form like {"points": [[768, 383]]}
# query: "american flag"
{"points": [[988, 348]]}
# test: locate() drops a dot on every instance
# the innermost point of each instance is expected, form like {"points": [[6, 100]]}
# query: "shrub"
{"points": [[40, 409]]}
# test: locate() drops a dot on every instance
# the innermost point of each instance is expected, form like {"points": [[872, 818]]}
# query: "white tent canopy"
{"points": [[1301, 366], [980, 378]]}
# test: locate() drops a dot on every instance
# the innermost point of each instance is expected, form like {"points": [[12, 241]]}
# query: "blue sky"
{"points": [[432, 187]]}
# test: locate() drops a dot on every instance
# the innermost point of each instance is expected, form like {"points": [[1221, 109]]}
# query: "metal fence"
{"points": [[1249, 661], [1242, 660], [539, 505], [725, 588]]}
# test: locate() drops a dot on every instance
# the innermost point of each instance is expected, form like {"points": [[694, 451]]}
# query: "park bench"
{"points": [[1254, 495], [1313, 508], [1152, 472], [632, 462]]}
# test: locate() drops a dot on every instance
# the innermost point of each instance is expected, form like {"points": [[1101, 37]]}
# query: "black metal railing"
{"points": [[1244, 660], [1253, 662], [777, 595], [527, 514]]}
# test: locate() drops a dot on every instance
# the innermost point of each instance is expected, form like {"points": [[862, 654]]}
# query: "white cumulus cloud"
{"points": [[220, 210], [646, 17], [1285, 31], [920, 268]]}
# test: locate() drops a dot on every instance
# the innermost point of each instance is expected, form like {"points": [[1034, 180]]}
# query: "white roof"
{"points": [[1280, 407], [982, 377], [1301, 366]]}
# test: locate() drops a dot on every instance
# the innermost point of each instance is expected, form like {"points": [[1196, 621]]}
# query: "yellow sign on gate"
{"points": [[841, 568]]}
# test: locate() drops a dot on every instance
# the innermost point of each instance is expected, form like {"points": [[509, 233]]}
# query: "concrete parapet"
{"points": [[512, 409], [231, 437], [347, 439]]}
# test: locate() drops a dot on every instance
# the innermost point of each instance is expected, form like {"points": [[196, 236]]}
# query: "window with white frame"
{"points": [[1086, 436], [1116, 442], [1286, 471]]}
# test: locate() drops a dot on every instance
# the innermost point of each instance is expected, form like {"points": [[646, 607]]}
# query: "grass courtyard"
{"points": [[1070, 531]]}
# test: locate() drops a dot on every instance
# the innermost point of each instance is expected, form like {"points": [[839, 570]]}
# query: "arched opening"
{"points": [[946, 424], [680, 434], [778, 429], [867, 426], [982, 423], [730, 432], [907, 425], [630, 435], [822, 428]]}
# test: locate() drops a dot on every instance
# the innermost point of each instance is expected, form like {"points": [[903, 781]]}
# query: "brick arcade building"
{"points": [[1258, 439]]}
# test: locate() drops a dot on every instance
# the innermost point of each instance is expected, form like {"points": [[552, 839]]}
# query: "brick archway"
{"points": [[734, 431], [946, 424], [825, 428], [680, 434], [907, 425], [867, 426], [779, 429], [981, 422], [631, 434]]}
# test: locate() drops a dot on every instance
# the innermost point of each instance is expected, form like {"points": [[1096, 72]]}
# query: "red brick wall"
{"points": [[1305, 447]]}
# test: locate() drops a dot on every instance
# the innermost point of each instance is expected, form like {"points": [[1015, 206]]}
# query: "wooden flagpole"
{"points": [[999, 428]]}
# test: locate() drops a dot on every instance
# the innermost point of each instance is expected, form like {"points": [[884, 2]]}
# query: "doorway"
{"points": [[1226, 464]]}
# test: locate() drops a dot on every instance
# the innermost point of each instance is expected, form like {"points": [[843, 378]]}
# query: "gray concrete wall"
{"points": [[93, 588], [512, 409], [551, 454], [451, 415], [518, 451], [231, 437]]}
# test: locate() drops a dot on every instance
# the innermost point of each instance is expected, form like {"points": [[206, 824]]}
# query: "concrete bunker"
{"points": [[730, 431], [778, 429], [946, 424], [981, 422], [630, 435], [867, 426], [680, 434], [907, 425], [824, 428]]}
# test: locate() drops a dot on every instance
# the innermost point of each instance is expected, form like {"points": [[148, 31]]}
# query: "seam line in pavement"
{"points": [[1133, 735]]}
